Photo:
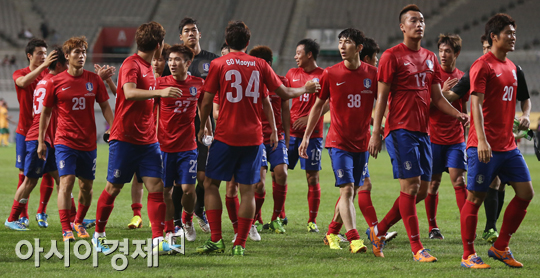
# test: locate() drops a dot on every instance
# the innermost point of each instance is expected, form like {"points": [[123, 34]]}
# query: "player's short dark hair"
{"points": [[370, 47], [496, 24], [183, 50], [61, 58], [225, 45], [73, 43], [453, 40], [186, 21], [310, 46], [165, 52], [237, 35], [262, 51], [408, 8], [32, 44], [149, 35], [483, 38], [355, 35]]}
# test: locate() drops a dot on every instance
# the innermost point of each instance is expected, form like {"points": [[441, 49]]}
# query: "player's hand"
{"points": [[42, 151], [374, 146], [105, 72], [449, 84], [484, 151], [200, 136], [106, 135], [524, 122], [274, 140], [302, 149], [50, 58], [463, 118], [207, 132], [300, 123], [171, 92], [312, 87]]}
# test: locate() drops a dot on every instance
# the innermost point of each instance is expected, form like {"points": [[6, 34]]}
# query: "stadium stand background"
{"points": [[279, 24]]}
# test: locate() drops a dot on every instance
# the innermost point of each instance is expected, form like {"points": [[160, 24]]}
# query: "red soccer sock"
{"points": [[461, 195], [169, 226], [232, 205], [136, 207], [244, 224], [24, 211], [279, 192], [391, 218], [352, 235], [73, 212], [104, 208], [407, 208], [514, 214], [45, 190], [64, 219], [15, 211], [366, 207], [214, 220], [81, 213], [259, 201], [431, 202], [469, 220], [187, 217], [156, 213], [334, 228], [314, 199]]}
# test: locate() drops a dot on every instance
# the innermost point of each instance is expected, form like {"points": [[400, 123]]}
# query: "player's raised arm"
{"points": [[288, 93], [28, 79], [132, 93], [314, 115], [375, 142]]}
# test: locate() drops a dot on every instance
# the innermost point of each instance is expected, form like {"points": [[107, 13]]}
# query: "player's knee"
{"points": [[347, 191], [312, 177]]}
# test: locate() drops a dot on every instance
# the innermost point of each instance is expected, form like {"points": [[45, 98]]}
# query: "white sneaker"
{"points": [[169, 237], [234, 238], [203, 222], [254, 234], [189, 230]]}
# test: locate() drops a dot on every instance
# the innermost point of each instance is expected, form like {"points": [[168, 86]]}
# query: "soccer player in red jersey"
{"points": [[133, 146], [73, 94], [350, 88], [447, 137], [26, 80], [491, 147], [34, 167], [408, 78], [176, 135], [307, 51], [239, 81]]}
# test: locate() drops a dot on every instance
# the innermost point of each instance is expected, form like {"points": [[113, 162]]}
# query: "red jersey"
{"points": [[351, 94], [42, 89], [25, 97], [134, 120], [443, 128], [177, 115], [301, 106], [239, 80], [74, 97], [410, 75], [497, 80], [276, 101]]}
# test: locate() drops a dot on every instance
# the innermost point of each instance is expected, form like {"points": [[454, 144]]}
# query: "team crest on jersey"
{"points": [[206, 66], [62, 164], [480, 179], [89, 86], [315, 79], [340, 173], [407, 165], [429, 63], [193, 91], [367, 83], [117, 173]]}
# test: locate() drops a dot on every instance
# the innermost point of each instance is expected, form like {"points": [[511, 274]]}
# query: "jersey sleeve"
{"points": [[130, 72], [325, 86], [522, 89], [50, 94], [101, 94], [271, 79], [212, 79], [387, 68], [479, 76], [463, 86], [16, 75]]}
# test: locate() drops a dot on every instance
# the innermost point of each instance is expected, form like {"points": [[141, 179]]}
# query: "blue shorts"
{"points": [[20, 150], [448, 156], [349, 167], [126, 159], [313, 163], [509, 166], [35, 167], [244, 163], [179, 167], [74, 162], [278, 156], [410, 153]]}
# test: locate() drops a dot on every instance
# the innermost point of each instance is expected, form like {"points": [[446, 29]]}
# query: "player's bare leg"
{"points": [[314, 199], [189, 198], [137, 192]]}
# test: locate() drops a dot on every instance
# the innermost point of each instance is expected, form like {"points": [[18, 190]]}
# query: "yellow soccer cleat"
{"points": [[333, 241], [136, 222]]}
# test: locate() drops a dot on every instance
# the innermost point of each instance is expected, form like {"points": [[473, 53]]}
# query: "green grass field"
{"points": [[296, 253]]}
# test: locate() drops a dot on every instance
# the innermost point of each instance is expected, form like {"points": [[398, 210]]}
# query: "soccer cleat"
{"points": [[285, 221], [333, 241], [490, 236], [24, 221], [259, 227], [203, 222], [277, 226], [474, 262], [99, 244], [266, 226], [253, 234], [89, 223], [68, 236], [342, 238], [164, 248], [212, 247], [238, 250], [41, 219], [15, 225], [424, 257], [136, 222], [81, 231], [435, 234], [189, 230], [376, 242], [312, 227], [389, 236], [504, 256], [234, 237], [357, 246]]}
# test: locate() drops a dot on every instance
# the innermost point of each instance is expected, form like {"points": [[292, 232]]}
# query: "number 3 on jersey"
{"points": [[252, 89]]}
